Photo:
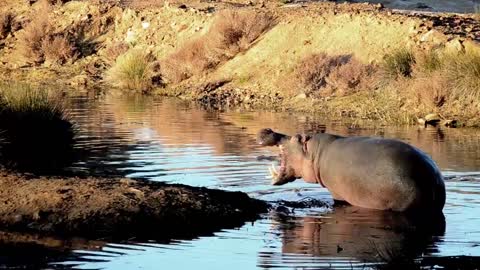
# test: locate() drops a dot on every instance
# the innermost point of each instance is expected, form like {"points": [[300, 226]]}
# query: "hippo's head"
{"points": [[292, 155]]}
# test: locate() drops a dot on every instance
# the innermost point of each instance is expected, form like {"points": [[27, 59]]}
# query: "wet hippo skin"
{"points": [[374, 173]]}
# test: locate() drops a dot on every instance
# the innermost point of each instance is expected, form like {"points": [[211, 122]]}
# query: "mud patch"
{"points": [[119, 208]]}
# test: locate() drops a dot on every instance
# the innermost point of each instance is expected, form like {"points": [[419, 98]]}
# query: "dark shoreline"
{"points": [[119, 209]]}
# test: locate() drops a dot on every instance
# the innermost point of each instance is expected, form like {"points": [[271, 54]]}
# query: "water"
{"points": [[457, 6], [170, 141]]}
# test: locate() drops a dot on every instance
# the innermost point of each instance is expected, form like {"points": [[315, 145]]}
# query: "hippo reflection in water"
{"points": [[374, 173], [354, 234]]}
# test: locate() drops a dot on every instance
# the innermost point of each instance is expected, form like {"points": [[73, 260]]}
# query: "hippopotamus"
{"points": [[368, 172]]}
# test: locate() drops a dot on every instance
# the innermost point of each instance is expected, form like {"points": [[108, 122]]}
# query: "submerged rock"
{"points": [[119, 208]]}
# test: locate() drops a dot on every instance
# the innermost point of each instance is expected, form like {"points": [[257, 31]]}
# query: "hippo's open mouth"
{"points": [[278, 173]]}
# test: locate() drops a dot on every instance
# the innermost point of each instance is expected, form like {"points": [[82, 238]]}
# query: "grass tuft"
{"points": [[36, 133], [399, 63], [133, 71]]}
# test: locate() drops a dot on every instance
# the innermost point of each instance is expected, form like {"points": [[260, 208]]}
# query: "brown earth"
{"points": [[118, 208], [261, 76]]}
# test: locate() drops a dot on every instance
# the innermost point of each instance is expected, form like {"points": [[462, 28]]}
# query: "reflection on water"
{"points": [[169, 141], [350, 235]]}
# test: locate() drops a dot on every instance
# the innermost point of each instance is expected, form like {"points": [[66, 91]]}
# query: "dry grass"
{"points": [[133, 71], [313, 70], [113, 51], [399, 63], [352, 77], [30, 40], [58, 49], [324, 75], [41, 41], [429, 92], [231, 32], [463, 69]]}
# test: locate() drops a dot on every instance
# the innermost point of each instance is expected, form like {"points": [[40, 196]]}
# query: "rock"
{"points": [[79, 81], [434, 37], [421, 5], [450, 123], [421, 121], [455, 45], [301, 96], [432, 117]]}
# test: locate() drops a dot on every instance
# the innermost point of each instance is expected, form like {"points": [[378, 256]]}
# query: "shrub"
{"points": [[431, 91], [132, 70], [399, 63], [321, 74], [313, 70], [6, 21], [351, 77], [230, 33], [113, 51], [58, 49], [30, 41], [36, 134], [40, 41]]}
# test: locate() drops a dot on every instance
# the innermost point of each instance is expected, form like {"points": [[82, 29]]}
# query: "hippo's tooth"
{"points": [[273, 173], [274, 168]]}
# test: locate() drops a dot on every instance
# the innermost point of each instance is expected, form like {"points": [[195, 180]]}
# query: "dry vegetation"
{"points": [[39, 42], [43, 42], [412, 85], [324, 75], [231, 32], [132, 70]]}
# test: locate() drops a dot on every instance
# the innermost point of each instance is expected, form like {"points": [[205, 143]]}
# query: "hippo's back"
{"points": [[382, 174]]}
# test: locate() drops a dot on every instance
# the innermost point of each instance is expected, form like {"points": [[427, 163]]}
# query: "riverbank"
{"points": [[342, 60], [118, 209]]}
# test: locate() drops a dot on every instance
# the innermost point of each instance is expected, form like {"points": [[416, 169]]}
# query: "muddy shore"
{"points": [[118, 208]]}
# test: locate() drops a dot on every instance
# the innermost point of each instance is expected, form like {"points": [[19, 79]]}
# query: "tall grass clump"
{"points": [[463, 69], [35, 131], [399, 63], [132, 70], [230, 33]]}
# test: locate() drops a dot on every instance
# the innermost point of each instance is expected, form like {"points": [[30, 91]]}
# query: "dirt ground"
{"points": [[118, 208]]}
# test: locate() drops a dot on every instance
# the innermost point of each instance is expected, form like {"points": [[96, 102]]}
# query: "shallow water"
{"points": [[456, 6], [169, 141]]}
